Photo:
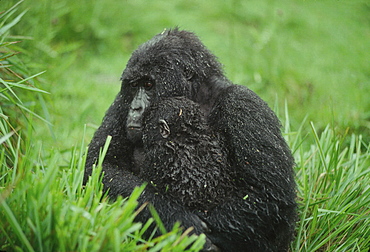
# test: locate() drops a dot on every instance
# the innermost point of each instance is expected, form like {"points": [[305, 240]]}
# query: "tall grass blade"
{"points": [[15, 225]]}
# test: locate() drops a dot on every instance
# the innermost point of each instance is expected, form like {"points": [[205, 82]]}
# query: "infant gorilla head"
{"points": [[184, 157]]}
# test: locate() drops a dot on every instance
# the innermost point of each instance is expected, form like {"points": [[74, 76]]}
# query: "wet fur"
{"points": [[261, 214]]}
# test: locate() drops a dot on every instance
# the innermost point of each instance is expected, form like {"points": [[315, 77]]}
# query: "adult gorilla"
{"points": [[261, 213]]}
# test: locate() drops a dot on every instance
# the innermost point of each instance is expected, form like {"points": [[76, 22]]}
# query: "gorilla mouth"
{"points": [[134, 128], [134, 125]]}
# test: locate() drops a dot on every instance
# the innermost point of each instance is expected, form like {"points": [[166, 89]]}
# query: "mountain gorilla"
{"points": [[261, 213], [183, 157]]}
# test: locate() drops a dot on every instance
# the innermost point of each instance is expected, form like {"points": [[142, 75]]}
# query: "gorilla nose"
{"points": [[136, 112], [136, 107], [134, 120]]}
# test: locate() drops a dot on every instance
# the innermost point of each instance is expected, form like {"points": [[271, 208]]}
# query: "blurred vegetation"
{"points": [[310, 60], [314, 55], [18, 94]]}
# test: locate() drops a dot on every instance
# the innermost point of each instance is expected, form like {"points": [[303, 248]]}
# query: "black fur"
{"points": [[189, 164], [261, 213]]}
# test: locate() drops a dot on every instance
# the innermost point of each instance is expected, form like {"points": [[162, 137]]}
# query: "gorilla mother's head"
{"points": [[173, 63]]}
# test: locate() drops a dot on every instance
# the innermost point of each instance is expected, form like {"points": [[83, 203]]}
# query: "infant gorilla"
{"points": [[183, 157]]}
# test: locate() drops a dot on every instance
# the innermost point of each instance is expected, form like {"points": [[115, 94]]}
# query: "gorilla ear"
{"points": [[164, 129]]}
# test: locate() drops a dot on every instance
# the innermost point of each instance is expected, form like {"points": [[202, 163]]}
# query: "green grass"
{"points": [[309, 56], [334, 194], [56, 213]]}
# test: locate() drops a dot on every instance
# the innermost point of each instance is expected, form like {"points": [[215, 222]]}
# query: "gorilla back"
{"points": [[260, 214]]}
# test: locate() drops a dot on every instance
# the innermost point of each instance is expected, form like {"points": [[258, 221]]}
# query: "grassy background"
{"points": [[311, 57], [313, 54]]}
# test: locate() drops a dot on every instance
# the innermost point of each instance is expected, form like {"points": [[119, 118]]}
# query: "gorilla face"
{"points": [[173, 63], [142, 91]]}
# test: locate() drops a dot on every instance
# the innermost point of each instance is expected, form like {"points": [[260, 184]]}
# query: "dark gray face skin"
{"points": [[142, 91]]}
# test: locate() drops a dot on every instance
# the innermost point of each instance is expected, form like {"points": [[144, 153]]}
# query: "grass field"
{"points": [[310, 60]]}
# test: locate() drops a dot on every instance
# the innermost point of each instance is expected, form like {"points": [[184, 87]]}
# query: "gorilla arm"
{"points": [[262, 211]]}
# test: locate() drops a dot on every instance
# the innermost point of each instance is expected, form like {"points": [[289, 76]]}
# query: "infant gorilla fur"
{"points": [[184, 158]]}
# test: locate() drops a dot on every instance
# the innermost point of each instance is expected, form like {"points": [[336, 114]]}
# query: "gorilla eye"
{"points": [[148, 85], [134, 84]]}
